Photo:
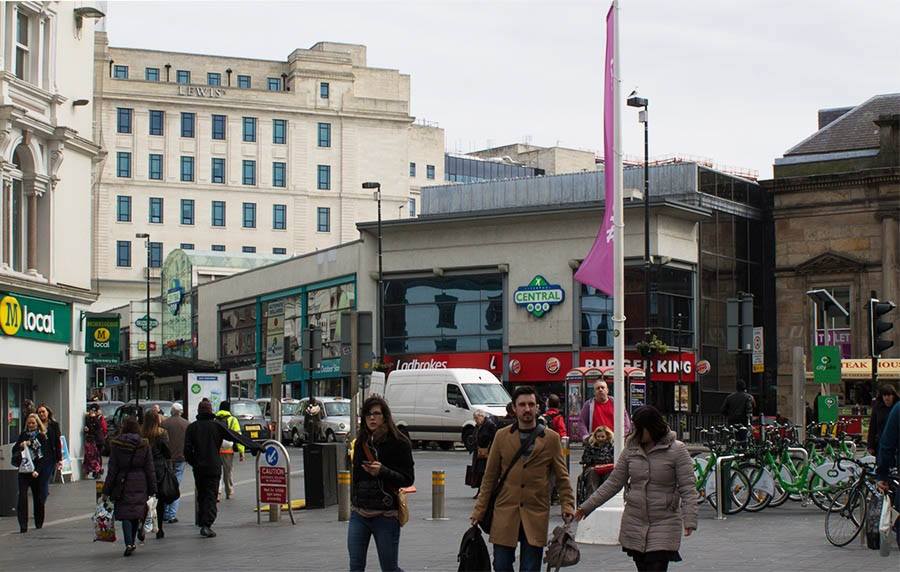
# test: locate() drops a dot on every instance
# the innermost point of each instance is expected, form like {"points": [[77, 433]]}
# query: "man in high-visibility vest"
{"points": [[227, 450]]}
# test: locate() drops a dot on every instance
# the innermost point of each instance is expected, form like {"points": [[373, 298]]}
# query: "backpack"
{"points": [[473, 553], [561, 550]]}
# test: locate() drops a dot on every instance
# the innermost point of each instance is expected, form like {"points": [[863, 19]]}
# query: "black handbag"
{"points": [[167, 490], [485, 522]]}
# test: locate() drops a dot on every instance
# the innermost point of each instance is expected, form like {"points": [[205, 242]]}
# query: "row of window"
{"points": [[123, 252], [217, 217], [429, 170], [125, 124], [213, 79], [248, 170]]}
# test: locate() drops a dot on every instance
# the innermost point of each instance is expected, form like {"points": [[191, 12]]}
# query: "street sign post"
{"points": [[758, 352], [273, 480], [826, 364]]}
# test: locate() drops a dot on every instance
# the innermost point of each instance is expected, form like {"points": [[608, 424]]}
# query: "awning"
{"points": [[161, 366]]}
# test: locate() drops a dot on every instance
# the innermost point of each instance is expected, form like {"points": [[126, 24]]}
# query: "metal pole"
{"points": [[354, 375], [343, 495], [380, 288], [798, 382], [437, 496], [655, 400], [619, 257], [565, 450], [720, 486]]}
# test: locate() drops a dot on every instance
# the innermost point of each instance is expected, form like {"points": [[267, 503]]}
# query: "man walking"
{"points": [[599, 411], [738, 406], [175, 425], [202, 441], [225, 417], [527, 454]]}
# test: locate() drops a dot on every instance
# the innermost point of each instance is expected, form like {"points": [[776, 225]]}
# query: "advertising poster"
{"points": [[213, 386], [638, 394]]}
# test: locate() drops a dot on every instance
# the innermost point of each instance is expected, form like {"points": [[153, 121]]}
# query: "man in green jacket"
{"points": [[226, 451]]}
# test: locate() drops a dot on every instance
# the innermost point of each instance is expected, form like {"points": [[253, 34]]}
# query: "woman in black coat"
{"points": [[382, 464], [52, 461], [158, 438], [485, 428], [33, 438], [131, 479], [881, 408]]}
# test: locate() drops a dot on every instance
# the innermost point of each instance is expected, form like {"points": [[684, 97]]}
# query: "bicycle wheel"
{"points": [[759, 499], [846, 516], [740, 492], [781, 495]]}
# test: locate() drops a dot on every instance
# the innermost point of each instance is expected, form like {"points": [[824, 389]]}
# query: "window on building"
{"points": [[412, 207], [218, 127], [218, 248], [324, 134], [119, 72], [187, 211], [123, 119], [277, 250], [183, 76], [324, 177], [156, 122], [248, 249], [273, 84], [218, 213], [278, 170], [323, 90], [187, 169], [187, 246], [156, 210], [429, 171], [412, 169], [323, 224], [123, 253], [279, 217], [123, 164], [156, 167], [187, 124], [123, 208], [156, 254], [23, 50], [248, 172], [213, 78], [250, 129], [218, 170], [279, 131], [249, 215], [244, 81], [151, 74]]}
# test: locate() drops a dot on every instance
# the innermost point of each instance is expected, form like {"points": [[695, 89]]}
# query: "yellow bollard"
{"points": [[437, 495], [343, 480]]}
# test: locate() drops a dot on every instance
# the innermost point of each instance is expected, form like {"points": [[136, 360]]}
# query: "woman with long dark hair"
{"points": [[158, 439], [382, 464], [660, 498], [53, 459]]}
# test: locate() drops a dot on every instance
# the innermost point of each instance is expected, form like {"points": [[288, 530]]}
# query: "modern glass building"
{"points": [[461, 169]]}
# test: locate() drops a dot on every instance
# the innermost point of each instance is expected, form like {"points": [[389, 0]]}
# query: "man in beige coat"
{"points": [[522, 508]]}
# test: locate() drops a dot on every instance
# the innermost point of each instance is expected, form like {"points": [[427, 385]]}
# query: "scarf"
{"points": [[35, 447]]}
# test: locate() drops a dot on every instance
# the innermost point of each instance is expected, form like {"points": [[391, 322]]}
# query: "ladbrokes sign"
{"points": [[27, 317]]}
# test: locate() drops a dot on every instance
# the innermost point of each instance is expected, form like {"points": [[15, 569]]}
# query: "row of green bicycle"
{"points": [[766, 467]]}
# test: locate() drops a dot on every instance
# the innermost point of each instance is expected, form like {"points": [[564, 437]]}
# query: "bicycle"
{"points": [[739, 489], [846, 516]]}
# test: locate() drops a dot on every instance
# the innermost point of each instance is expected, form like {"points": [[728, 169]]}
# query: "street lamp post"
{"points": [[377, 187], [137, 393], [642, 102]]}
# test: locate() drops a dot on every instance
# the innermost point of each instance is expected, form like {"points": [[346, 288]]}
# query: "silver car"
{"points": [[289, 408], [335, 421]]}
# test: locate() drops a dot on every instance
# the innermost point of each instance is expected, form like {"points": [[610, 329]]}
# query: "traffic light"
{"points": [[311, 348], [878, 326], [101, 377]]}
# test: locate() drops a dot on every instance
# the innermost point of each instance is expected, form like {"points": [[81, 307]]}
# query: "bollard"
{"points": [[565, 451], [437, 496], [343, 479], [722, 484]]}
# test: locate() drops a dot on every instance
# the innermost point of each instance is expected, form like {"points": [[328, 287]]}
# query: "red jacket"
{"points": [[555, 421]]}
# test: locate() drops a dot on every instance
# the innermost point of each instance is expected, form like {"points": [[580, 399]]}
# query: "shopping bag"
{"points": [[104, 523], [27, 465], [150, 523]]}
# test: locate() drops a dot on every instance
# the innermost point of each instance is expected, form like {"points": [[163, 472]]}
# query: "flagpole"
{"points": [[618, 252]]}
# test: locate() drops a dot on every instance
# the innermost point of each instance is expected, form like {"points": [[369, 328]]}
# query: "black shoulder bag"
{"points": [[485, 522]]}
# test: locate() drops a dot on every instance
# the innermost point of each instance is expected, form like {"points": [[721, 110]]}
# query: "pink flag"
{"points": [[597, 268]]}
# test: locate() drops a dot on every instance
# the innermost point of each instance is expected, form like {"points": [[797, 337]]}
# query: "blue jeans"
{"points": [[129, 530], [530, 556], [386, 531], [172, 509]]}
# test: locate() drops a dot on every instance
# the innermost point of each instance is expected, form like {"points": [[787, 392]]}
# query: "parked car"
{"points": [[130, 409], [250, 417], [335, 421], [289, 407], [437, 404]]}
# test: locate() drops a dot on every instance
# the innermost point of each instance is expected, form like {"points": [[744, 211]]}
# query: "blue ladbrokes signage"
{"points": [[539, 296]]}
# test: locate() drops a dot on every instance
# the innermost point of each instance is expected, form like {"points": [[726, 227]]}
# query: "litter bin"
{"points": [[321, 462], [9, 491]]}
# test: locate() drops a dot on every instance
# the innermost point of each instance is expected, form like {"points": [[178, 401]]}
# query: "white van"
{"points": [[437, 404]]}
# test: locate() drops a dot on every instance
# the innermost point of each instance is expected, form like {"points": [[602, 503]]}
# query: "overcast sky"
{"points": [[738, 82]]}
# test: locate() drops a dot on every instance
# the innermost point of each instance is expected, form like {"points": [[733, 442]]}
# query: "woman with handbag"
{"points": [[53, 460], [29, 454], [158, 439], [485, 428], [131, 479], [382, 464]]}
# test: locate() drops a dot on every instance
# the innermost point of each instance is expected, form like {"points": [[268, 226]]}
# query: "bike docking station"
{"points": [[273, 481], [723, 483]]}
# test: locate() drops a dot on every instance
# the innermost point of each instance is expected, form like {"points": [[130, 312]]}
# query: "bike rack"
{"points": [[852, 446], [720, 515], [801, 451]]}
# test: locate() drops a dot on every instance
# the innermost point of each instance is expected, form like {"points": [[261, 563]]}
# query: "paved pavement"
{"points": [[790, 537]]}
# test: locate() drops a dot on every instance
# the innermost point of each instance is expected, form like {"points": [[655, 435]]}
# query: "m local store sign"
{"points": [[35, 318]]}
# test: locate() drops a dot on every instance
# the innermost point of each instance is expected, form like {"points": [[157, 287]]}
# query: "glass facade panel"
{"points": [[237, 335]]}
